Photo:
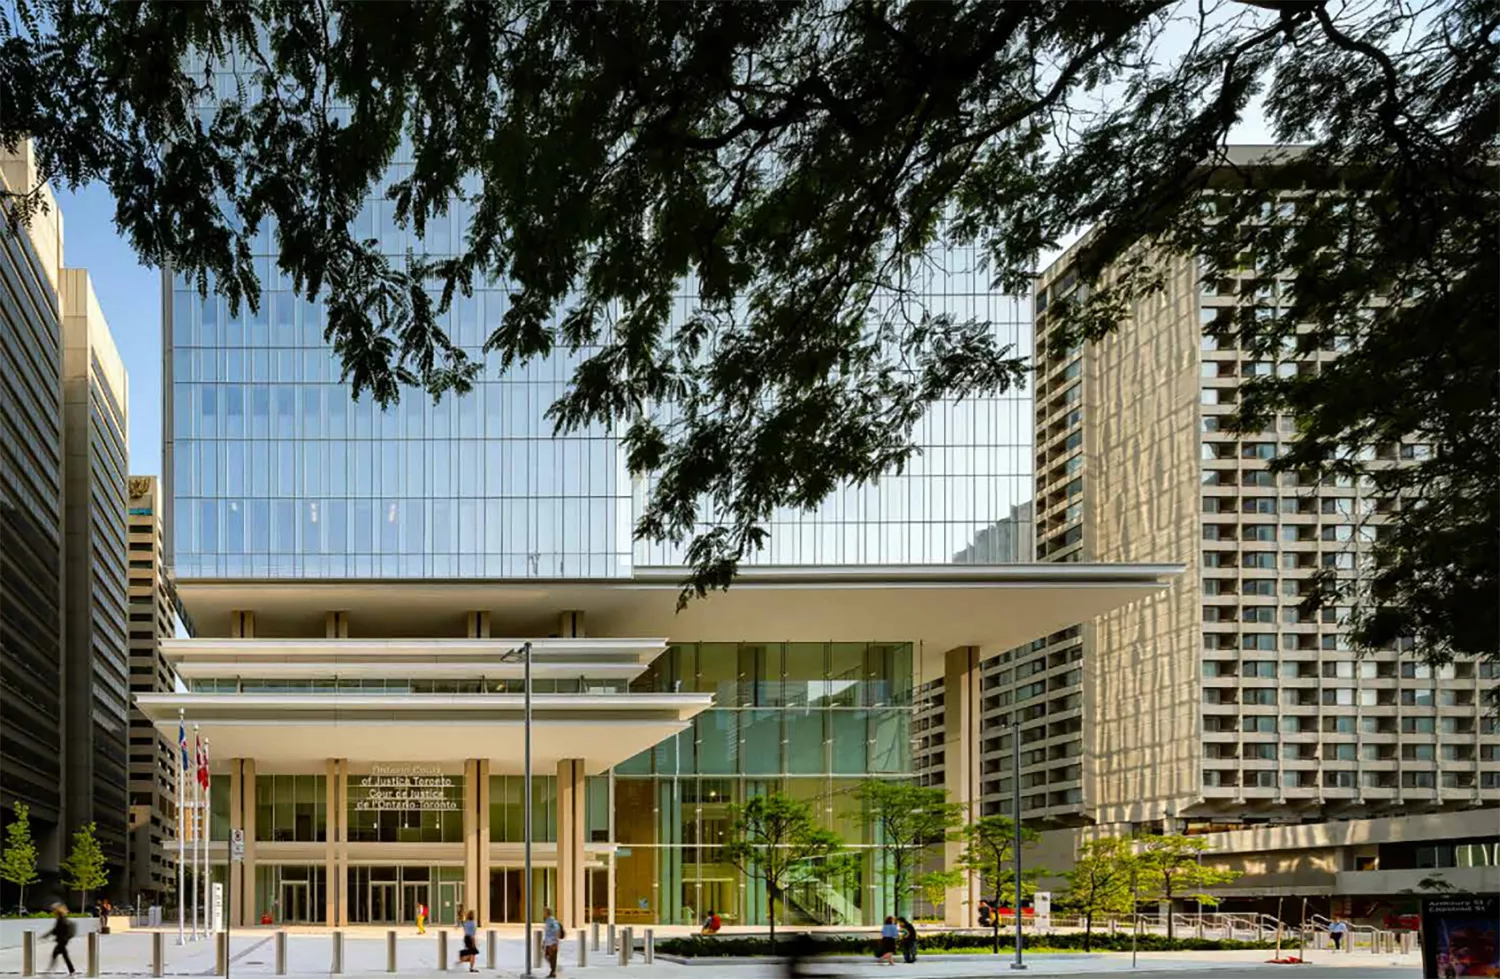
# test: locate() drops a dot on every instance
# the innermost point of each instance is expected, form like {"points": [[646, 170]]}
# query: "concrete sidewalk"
{"points": [[253, 953]]}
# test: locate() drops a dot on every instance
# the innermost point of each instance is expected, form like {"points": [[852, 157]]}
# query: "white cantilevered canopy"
{"points": [[603, 730], [935, 607]]}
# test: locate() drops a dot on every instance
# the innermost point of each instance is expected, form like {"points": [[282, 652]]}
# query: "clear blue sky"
{"points": [[130, 295]]}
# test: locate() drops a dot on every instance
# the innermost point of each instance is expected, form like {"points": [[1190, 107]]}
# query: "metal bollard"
{"points": [[221, 954], [1407, 942], [337, 966], [442, 937], [158, 954], [595, 929], [281, 953], [613, 944], [627, 940], [649, 949], [491, 949], [624, 954], [536, 947], [583, 948], [390, 950], [28, 953]]}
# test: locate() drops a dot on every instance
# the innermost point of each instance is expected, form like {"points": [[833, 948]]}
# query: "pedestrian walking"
{"points": [[552, 936], [1336, 931], [470, 951], [421, 918], [908, 940], [889, 933], [61, 934]]}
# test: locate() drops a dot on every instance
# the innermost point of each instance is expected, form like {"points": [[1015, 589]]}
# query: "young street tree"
{"points": [[775, 839], [18, 861], [935, 885], [909, 820], [1171, 867], [83, 869], [1100, 882], [796, 163], [989, 851]]}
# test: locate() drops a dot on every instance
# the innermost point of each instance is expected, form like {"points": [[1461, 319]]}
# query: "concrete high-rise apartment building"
{"points": [[97, 669], [1219, 705], [153, 754], [31, 511]]}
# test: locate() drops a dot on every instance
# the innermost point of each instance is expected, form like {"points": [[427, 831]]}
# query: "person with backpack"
{"points": [[552, 935], [61, 934]]}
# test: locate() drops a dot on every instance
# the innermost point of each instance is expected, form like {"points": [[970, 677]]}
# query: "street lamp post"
{"points": [[524, 654], [1015, 776]]}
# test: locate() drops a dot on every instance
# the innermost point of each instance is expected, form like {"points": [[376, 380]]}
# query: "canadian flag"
{"points": [[202, 763]]}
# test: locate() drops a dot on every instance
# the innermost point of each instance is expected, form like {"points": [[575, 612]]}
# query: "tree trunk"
{"points": [[771, 915], [1088, 932], [1167, 895]]}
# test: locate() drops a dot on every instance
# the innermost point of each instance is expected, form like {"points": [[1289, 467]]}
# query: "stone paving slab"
{"points": [[310, 952]]}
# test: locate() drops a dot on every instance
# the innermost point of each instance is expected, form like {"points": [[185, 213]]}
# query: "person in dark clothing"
{"points": [[908, 940], [61, 934], [800, 952]]}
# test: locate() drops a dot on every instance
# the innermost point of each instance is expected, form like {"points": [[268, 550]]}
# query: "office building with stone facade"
{"points": [[153, 753], [1219, 706]]}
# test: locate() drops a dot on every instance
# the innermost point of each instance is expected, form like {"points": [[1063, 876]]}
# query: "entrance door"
{"points": [[383, 908], [294, 901], [450, 899], [413, 894]]}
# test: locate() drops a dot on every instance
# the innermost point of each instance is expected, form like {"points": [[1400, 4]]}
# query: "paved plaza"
{"points": [[309, 952]]}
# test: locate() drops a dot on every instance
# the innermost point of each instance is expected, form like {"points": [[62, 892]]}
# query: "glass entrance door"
{"points": [[383, 908], [294, 902], [413, 894], [450, 899]]}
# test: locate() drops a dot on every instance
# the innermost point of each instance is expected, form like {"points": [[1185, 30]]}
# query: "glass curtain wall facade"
{"points": [[812, 720]]}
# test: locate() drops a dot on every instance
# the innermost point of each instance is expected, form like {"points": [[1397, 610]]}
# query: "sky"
{"points": [[130, 295]]}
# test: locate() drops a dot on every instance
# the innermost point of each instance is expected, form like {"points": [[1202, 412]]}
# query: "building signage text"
{"points": [[405, 788]]}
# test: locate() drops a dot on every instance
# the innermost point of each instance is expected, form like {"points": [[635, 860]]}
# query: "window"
{"points": [[1264, 669], [1258, 477], [1339, 752], [1262, 560], [1258, 613], [1340, 670], [1258, 640], [1338, 697], [1258, 586], [1259, 752], [1418, 780], [1262, 780], [1293, 724], [1337, 780], [1258, 532], [1260, 725], [1416, 671], [1417, 725], [1259, 504], [1265, 697], [1417, 752], [1338, 725], [1257, 450], [1417, 698]]}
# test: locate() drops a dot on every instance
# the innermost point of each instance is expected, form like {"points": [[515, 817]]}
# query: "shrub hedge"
{"points": [[743, 946]]}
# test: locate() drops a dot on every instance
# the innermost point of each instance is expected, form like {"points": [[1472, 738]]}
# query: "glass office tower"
{"points": [[275, 474]]}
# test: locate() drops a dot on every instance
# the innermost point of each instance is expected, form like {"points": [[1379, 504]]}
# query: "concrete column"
{"points": [[333, 885], [471, 832], [242, 876], [336, 625], [572, 821], [479, 625], [341, 807], [961, 747], [570, 626], [242, 625], [482, 797]]}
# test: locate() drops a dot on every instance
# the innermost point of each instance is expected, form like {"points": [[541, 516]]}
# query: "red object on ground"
{"points": [[1289, 960], [265, 918]]}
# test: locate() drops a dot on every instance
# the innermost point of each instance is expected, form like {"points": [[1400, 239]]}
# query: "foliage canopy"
{"points": [[789, 168]]}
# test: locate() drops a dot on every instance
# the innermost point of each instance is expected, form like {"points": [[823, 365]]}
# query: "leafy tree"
{"points": [[775, 838], [83, 869], [989, 851], [908, 820], [1100, 882], [935, 885], [18, 861], [796, 163], [1171, 868]]}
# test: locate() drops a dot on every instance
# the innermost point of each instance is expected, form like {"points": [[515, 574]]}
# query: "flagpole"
{"points": [[208, 877], [197, 828], [181, 827]]}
